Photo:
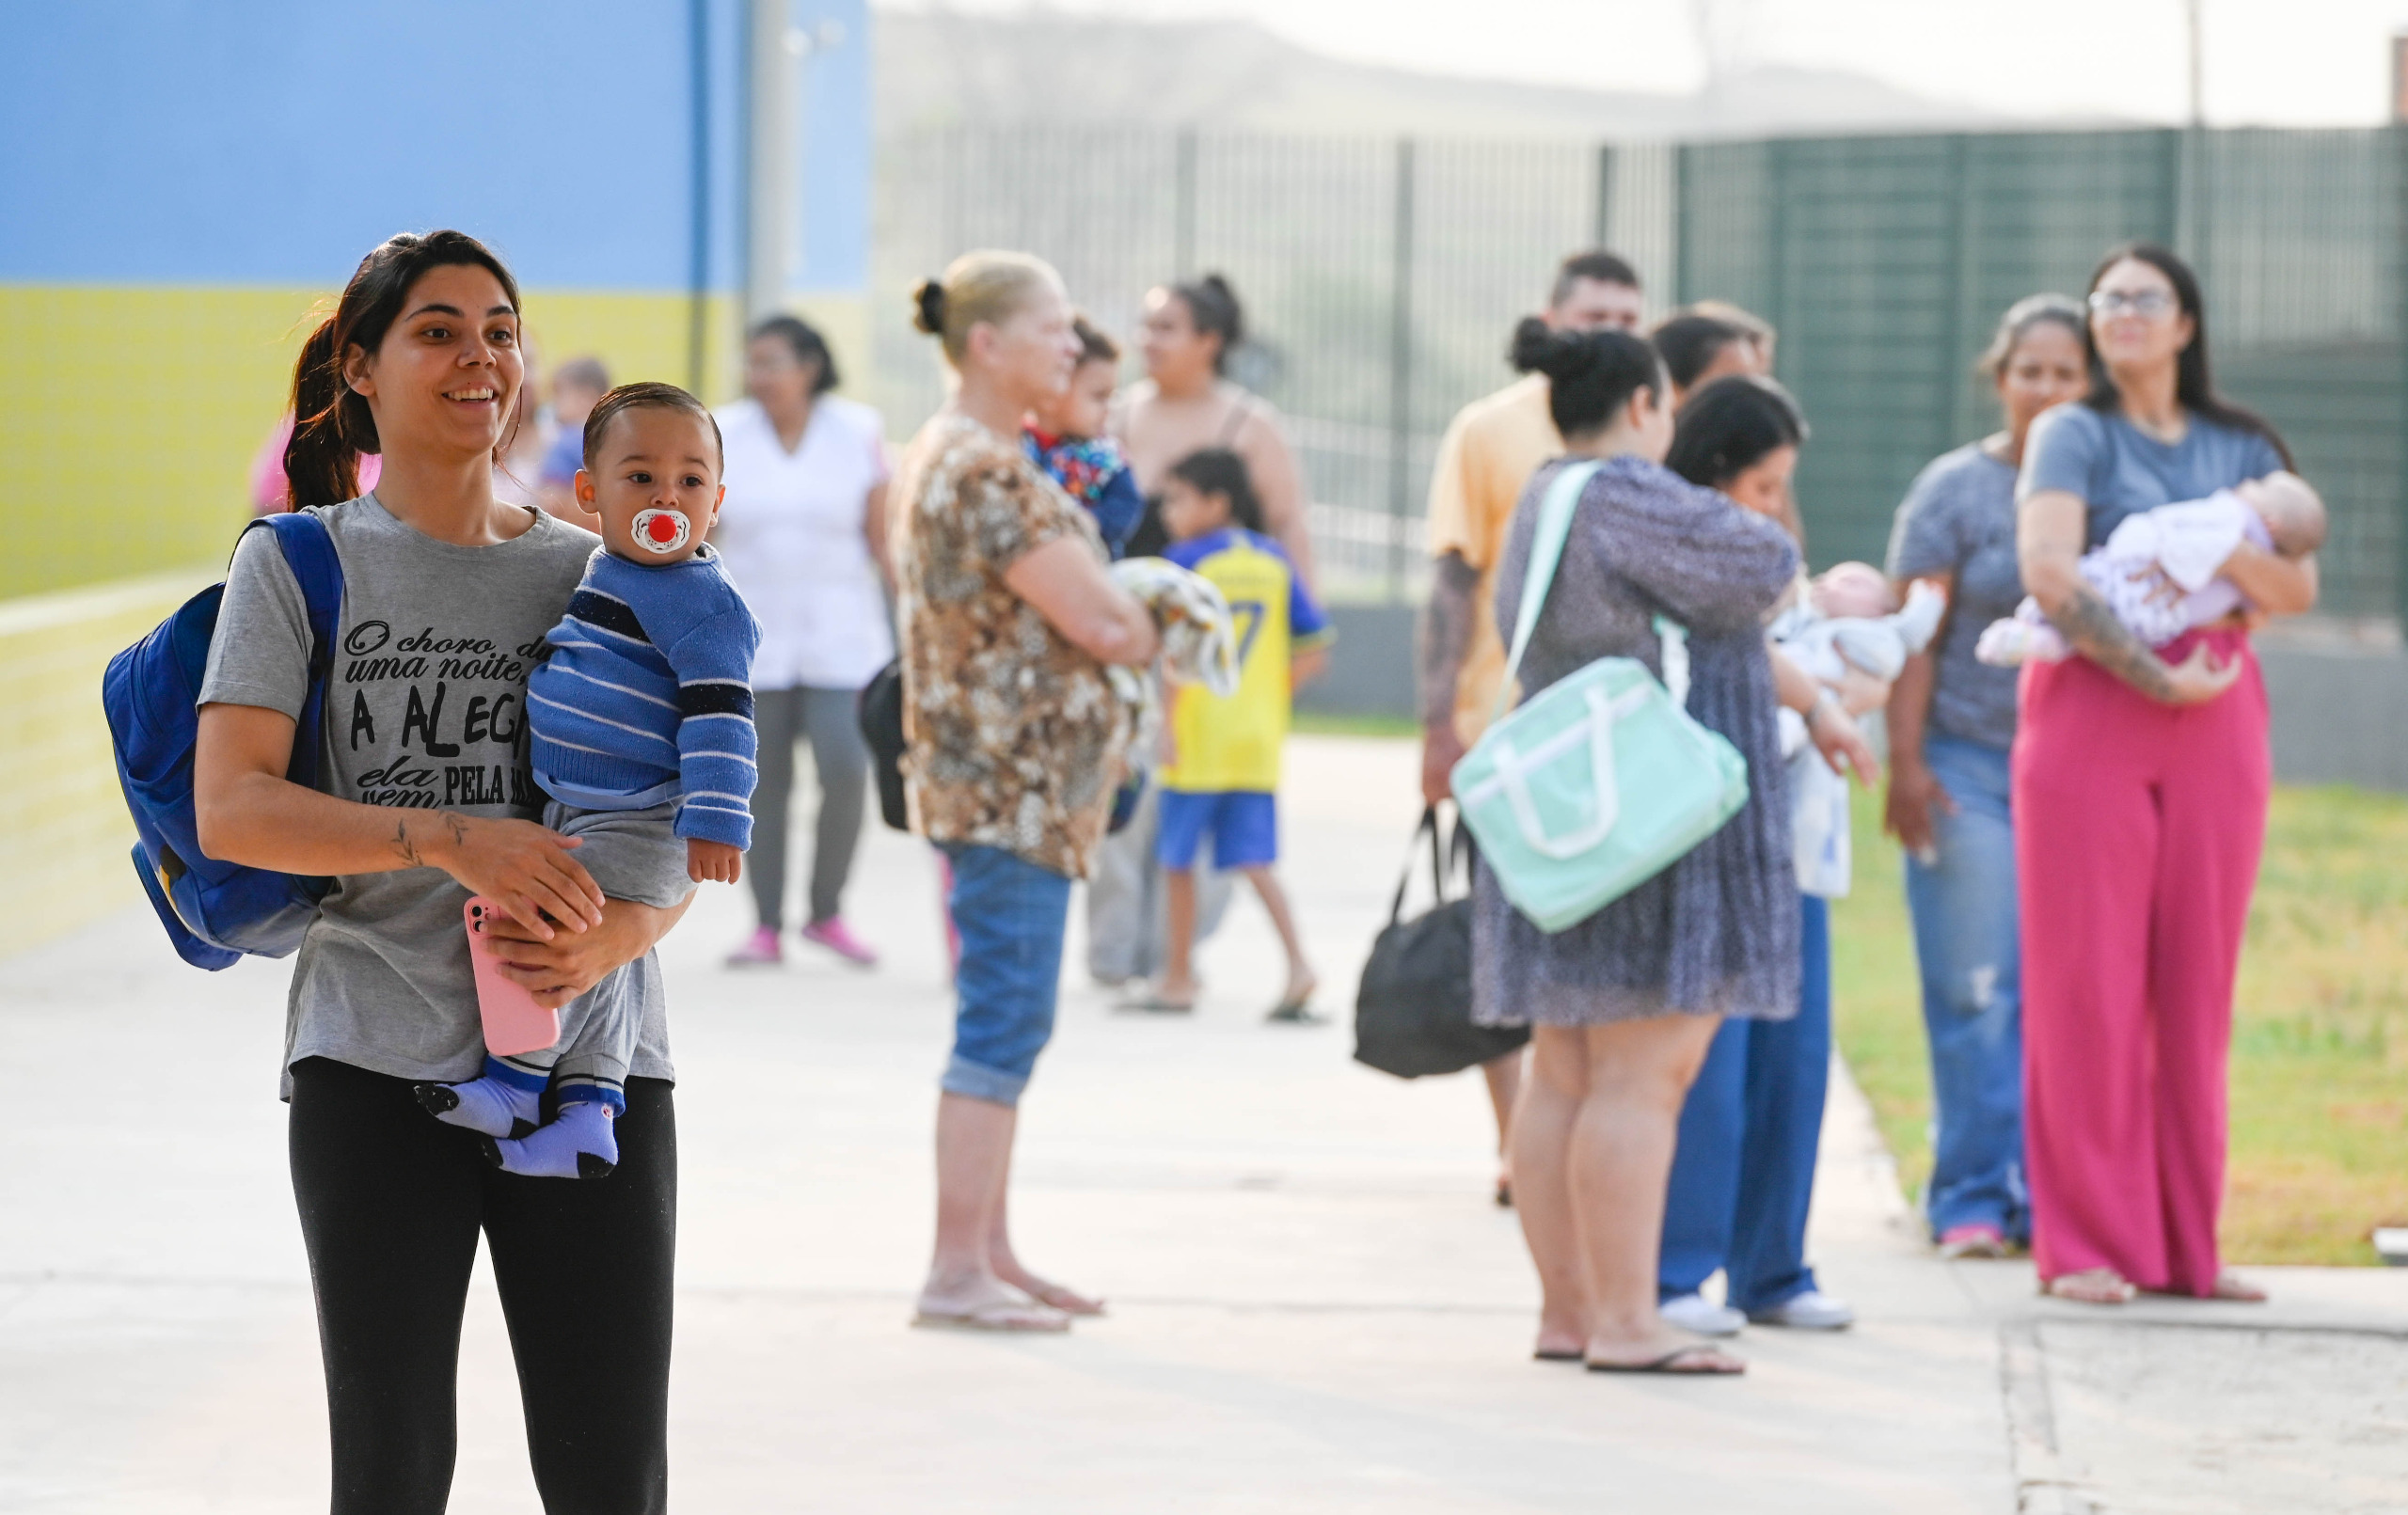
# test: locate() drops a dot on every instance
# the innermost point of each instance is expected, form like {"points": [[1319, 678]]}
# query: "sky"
{"points": [[2265, 62]]}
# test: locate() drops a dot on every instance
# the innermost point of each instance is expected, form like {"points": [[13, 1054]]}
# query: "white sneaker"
{"points": [[1810, 1311], [1695, 1312]]}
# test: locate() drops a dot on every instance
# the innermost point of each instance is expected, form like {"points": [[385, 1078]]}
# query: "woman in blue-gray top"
{"points": [[429, 797], [1951, 720], [2141, 779]]}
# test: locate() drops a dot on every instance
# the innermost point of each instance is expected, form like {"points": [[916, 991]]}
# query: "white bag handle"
{"points": [[1556, 511]]}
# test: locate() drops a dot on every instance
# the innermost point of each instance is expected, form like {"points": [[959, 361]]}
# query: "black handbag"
{"points": [[881, 712], [1413, 1013]]}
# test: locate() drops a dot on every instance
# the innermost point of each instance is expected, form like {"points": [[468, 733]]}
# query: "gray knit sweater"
{"points": [[1718, 932]]}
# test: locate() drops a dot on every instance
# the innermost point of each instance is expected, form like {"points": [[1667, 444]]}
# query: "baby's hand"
{"points": [[712, 862]]}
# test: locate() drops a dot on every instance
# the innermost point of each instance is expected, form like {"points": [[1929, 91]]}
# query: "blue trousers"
{"points": [[1743, 1177], [1964, 912]]}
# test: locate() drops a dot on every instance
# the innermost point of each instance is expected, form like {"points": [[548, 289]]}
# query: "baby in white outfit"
{"points": [[2160, 570], [1855, 622]]}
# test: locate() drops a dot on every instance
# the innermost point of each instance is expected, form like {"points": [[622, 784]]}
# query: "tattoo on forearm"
{"points": [[406, 848], [2092, 627], [1446, 632]]}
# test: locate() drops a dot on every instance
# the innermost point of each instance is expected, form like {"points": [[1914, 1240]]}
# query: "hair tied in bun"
{"points": [[928, 307]]}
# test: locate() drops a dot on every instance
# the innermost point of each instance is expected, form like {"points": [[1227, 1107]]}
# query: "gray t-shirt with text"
{"points": [[425, 709]]}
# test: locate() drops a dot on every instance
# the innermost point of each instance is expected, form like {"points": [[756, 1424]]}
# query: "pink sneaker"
{"points": [[760, 950], [838, 937]]}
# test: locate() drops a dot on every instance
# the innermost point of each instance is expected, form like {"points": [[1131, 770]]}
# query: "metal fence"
{"points": [[1382, 280]]}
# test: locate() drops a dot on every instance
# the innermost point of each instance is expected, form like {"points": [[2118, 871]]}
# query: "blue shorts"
{"points": [[1244, 825]]}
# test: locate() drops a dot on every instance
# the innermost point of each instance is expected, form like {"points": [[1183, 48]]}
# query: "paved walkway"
{"points": [[1315, 1308]]}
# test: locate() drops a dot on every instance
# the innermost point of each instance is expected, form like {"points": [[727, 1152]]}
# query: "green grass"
{"points": [[2319, 1057], [1318, 723]]}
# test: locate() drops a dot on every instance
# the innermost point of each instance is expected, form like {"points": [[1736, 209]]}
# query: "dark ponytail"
{"points": [[1212, 310], [1591, 374], [331, 422]]}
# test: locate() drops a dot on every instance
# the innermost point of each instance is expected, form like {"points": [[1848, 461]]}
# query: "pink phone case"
{"points": [[514, 1022]]}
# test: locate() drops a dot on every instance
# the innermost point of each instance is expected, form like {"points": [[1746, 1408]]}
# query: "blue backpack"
{"points": [[215, 913]]}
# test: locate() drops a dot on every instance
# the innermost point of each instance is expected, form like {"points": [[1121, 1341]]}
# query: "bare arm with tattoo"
{"points": [[1446, 638], [2051, 529], [249, 813]]}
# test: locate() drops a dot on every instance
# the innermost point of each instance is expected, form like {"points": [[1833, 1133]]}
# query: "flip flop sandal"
{"points": [[1668, 1364], [1294, 1013], [1546, 1355], [995, 1314], [1154, 1004], [2122, 1290]]}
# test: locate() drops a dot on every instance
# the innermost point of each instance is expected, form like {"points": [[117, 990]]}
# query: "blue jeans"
{"points": [[1972, 994], [1743, 1175], [1011, 915]]}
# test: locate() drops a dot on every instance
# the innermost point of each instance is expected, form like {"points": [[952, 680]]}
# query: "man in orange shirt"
{"points": [[1489, 453]]}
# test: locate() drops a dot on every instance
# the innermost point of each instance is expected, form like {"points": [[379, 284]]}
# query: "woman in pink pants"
{"points": [[2140, 782]]}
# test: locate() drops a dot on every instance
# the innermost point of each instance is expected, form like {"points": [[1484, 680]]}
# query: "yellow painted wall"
{"points": [[129, 414]]}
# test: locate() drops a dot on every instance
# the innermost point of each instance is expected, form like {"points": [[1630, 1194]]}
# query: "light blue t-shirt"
{"points": [[2120, 470]]}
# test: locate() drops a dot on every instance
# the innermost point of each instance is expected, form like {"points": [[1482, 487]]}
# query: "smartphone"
{"points": [[514, 1022]]}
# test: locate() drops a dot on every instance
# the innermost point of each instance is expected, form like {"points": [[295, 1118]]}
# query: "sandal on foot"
{"points": [[994, 1315], [2234, 1290], [2091, 1286], [1149, 1003], [1722, 1365], [1065, 1299]]}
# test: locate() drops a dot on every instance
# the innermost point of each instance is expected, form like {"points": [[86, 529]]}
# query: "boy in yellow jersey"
{"points": [[1220, 778]]}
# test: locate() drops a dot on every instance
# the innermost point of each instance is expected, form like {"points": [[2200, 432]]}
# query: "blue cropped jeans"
{"points": [[1011, 914], [1964, 912]]}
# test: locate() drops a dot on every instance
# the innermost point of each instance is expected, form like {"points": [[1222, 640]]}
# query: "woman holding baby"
{"points": [[2140, 784]]}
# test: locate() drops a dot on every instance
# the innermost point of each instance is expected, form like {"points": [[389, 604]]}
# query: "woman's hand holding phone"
{"points": [[524, 868], [556, 969]]}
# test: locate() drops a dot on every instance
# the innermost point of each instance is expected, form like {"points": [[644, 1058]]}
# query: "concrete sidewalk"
{"points": [[1315, 1307]]}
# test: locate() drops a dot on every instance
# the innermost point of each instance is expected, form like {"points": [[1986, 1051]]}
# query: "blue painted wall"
{"points": [[273, 141]]}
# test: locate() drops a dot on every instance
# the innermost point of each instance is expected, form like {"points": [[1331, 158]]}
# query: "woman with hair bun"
{"points": [[1622, 1005], [1015, 741]]}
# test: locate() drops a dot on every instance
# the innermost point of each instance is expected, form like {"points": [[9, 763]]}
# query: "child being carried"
{"points": [[641, 722], [2160, 569]]}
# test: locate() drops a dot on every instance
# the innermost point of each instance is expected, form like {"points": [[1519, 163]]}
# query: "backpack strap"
{"points": [[1556, 509], [310, 552]]}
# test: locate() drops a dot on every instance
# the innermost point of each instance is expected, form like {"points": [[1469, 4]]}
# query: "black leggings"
{"points": [[391, 1201]]}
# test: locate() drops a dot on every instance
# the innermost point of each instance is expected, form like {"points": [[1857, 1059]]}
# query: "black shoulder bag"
{"points": [[1413, 1013]]}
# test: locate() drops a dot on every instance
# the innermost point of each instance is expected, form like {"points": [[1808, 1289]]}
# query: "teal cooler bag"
{"points": [[1600, 781]]}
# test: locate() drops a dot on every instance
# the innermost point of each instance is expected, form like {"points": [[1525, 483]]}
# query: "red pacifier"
{"points": [[661, 532]]}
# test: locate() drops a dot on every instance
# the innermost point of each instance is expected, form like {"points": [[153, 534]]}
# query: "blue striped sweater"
{"points": [[646, 696]]}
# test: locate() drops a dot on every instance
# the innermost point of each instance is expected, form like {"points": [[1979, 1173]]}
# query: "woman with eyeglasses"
{"points": [[2140, 784]]}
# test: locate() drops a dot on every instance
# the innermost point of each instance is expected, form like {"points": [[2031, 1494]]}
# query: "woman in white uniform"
{"points": [[804, 533]]}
